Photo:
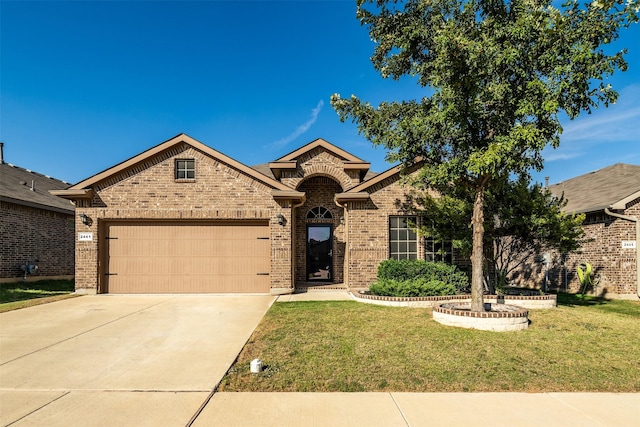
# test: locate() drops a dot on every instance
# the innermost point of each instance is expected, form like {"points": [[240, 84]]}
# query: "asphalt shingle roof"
{"points": [[16, 184], [599, 189]]}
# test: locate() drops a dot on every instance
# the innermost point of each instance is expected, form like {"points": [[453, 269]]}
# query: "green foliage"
{"points": [[418, 278], [322, 346], [418, 287], [19, 291], [521, 220], [496, 77]]}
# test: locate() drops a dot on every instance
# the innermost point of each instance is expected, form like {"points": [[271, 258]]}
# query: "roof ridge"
{"points": [[35, 173]]}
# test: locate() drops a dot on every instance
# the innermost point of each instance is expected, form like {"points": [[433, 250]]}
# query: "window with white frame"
{"points": [[438, 250], [403, 240], [185, 169], [319, 212]]}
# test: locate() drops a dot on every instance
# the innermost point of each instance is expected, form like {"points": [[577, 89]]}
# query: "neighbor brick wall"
{"points": [[30, 234], [149, 191], [615, 267]]}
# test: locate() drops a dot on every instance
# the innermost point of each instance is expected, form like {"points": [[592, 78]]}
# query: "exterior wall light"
{"points": [[85, 219], [280, 219], [342, 220]]}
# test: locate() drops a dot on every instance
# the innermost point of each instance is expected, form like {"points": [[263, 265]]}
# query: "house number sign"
{"points": [[628, 244], [85, 237]]}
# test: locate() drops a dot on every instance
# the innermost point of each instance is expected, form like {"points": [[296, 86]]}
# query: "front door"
{"points": [[319, 253]]}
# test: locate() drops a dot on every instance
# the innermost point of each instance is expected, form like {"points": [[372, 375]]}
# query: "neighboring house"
{"points": [[36, 228], [603, 196], [182, 217]]}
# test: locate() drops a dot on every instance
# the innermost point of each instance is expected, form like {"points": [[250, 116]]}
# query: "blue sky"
{"points": [[85, 85]]}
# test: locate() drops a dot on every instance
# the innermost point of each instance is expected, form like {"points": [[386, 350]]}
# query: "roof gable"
{"points": [[613, 186], [337, 151], [179, 139], [344, 161]]}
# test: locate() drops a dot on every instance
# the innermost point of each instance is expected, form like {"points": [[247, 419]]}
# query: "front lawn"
{"points": [[17, 295], [583, 345]]}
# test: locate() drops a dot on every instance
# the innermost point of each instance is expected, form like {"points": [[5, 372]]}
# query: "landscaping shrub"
{"points": [[418, 287], [404, 278]]}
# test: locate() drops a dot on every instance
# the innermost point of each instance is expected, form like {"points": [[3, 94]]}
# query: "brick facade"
{"points": [[368, 224], [39, 236], [613, 267], [150, 192], [145, 188]]}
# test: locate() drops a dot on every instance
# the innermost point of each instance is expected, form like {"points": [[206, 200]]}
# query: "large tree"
{"points": [[497, 75], [521, 222]]}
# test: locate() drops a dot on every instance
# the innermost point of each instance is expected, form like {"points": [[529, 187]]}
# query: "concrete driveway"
{"points": [[120, 360]]}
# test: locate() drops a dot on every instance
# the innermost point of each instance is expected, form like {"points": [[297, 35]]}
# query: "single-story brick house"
{"points": [[610, 200], [36, 228], [182, 217]]}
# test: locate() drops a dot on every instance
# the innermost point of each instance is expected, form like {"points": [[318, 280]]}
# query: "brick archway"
{"points": [[320, 191]]}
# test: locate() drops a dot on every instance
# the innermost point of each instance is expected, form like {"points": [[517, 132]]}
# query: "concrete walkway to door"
{"points": [[147, 360]]}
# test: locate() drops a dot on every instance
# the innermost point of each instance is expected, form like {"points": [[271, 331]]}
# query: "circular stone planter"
{"points": [[497, 317]]}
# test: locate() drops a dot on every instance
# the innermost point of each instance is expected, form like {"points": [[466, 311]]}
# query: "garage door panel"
{"points": [[190, 284], [187, 257], [188, 265]]}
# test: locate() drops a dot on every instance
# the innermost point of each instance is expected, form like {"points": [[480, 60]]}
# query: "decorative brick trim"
{"points": [[317, 287], [433, 299], [498, 310], [530, 302], [455, 297]]}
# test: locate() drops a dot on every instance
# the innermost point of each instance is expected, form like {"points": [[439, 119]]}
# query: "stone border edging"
{"points": [[499, 318], [501, 310], [525, 301]]}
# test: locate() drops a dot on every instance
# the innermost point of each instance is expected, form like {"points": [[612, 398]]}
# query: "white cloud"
{"points": [[620, 123], [300, 129]]}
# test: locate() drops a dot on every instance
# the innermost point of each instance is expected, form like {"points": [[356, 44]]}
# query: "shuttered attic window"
{"points": [[185, 169]]}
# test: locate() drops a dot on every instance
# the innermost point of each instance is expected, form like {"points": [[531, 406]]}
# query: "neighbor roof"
{"points": [[610, 187], [25, 187]]}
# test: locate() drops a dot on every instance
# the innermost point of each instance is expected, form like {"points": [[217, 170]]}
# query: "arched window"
{"points": [[319, 213]]}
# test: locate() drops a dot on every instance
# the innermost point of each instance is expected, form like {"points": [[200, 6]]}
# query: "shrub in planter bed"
{"points": [[418, 287], [418, 278]]}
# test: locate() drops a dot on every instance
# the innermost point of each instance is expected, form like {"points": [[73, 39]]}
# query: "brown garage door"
{"points": [[186, 257]]}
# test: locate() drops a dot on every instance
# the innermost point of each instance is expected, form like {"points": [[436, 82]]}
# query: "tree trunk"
{"points": [[477, 222]]}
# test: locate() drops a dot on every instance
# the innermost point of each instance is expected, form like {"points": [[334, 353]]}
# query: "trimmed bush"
{"points": [[419, 287], [412, 278]]}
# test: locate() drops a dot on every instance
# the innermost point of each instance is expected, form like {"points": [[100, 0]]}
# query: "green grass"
{"points": [[583, 345], [26, 294]]}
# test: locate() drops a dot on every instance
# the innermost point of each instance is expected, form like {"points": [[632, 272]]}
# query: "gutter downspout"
{"points": [[632, 219]]}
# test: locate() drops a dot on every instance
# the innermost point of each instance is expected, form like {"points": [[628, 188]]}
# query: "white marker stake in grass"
{"points": [[256, 366]]}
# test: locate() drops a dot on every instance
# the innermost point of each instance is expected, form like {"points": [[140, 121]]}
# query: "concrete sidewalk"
{"points": [[331, 295], [422, 409]]}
